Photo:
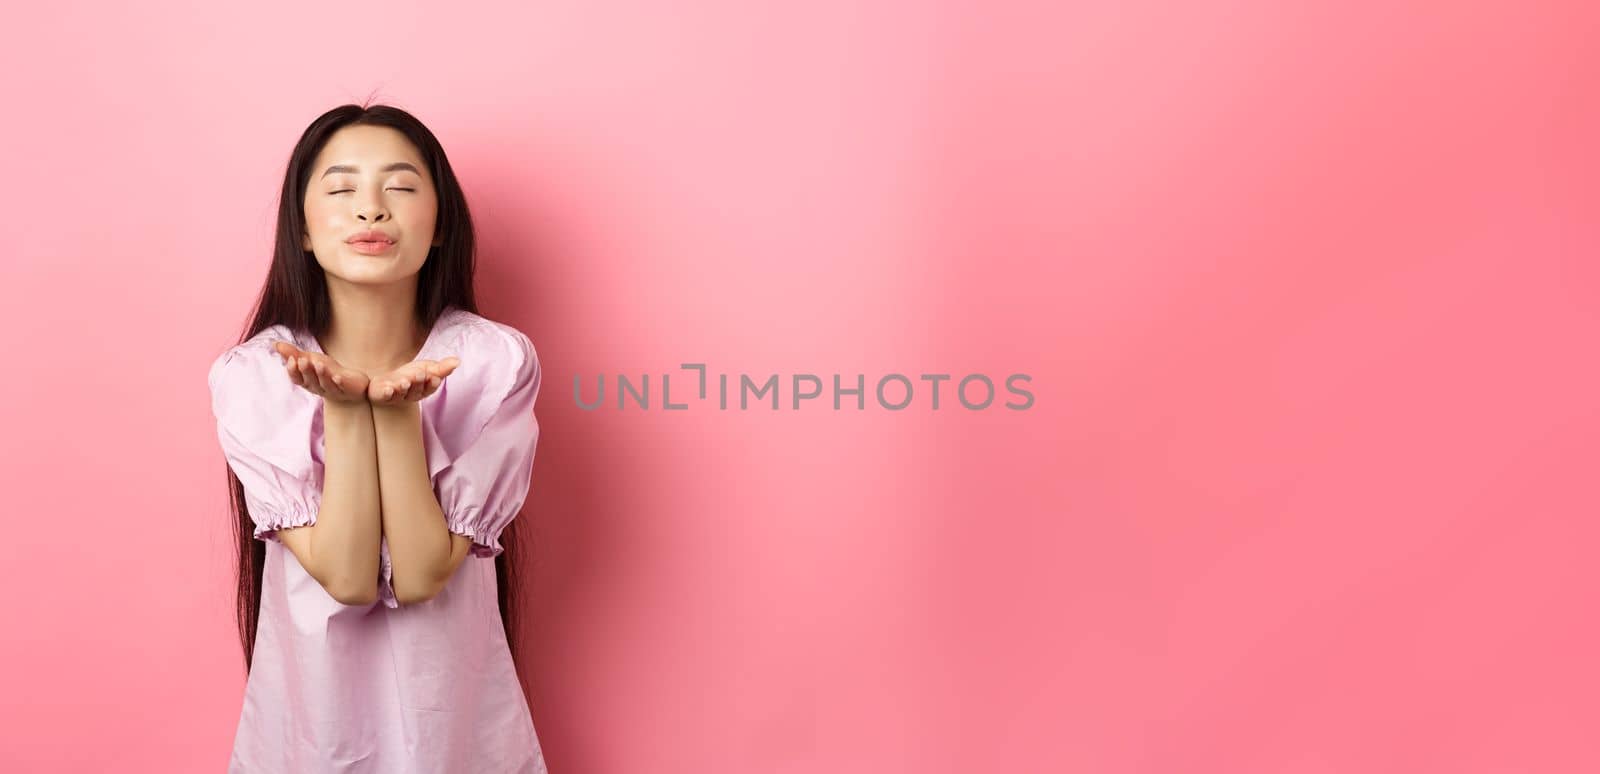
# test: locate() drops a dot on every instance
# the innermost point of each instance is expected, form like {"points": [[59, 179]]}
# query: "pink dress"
{"points": [[426, 688]]}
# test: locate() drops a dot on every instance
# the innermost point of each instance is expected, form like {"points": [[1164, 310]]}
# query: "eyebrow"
{"points": [[353, 169]]}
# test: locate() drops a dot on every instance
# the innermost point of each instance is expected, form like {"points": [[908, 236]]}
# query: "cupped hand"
{"points": [[322, 375], [411, 382]]}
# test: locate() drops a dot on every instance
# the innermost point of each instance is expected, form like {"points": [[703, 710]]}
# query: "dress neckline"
{"points": [[309, 341]]}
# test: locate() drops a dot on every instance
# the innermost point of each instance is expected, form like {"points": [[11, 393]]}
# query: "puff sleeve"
{"points": [[265, 437], [486, 480]]}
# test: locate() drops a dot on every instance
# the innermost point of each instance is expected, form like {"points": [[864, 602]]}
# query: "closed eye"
{"points": [[348, 190]]}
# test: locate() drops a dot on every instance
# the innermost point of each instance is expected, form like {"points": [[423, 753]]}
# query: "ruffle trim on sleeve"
{"points": [[485, 540], [269, 520]]}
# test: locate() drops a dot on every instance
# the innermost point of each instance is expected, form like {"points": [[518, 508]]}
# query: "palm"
{"points": [[320, 374], [411, 382]]}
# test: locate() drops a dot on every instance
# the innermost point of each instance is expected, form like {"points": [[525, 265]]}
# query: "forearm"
{"points": [[413, 522], [346, 539]]}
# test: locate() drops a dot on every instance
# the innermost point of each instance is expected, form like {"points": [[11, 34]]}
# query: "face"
{"points": [[370, 178]]}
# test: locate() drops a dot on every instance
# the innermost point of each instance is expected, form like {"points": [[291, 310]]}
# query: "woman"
{"points": [[379, 436]]}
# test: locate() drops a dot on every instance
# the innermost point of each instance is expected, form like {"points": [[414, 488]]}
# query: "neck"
{"points": [[374, 328]]}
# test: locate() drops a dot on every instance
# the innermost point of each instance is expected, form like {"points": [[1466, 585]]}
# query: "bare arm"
{"points": [[341, 549], [425, 554]]}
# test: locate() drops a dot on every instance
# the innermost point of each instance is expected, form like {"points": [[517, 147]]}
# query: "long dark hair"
{"points": [[296, 295]]}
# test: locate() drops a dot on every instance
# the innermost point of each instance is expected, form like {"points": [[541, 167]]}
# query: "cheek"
{"points": [[421, 212], [319, 213]]}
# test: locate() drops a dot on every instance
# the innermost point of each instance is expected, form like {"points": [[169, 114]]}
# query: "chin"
{"points": [[382, 275], [373, 269]]}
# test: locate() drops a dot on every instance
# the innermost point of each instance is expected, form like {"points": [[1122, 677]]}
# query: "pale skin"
{"points": [[375, 481]]}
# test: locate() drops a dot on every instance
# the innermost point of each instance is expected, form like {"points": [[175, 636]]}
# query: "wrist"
{"points": [[346, 411], [408, 409]]}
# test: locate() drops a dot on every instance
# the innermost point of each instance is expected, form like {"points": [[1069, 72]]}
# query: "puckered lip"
{"points": [[370, 236]]}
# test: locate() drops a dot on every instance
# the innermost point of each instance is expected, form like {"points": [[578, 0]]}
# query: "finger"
{"points": [[348, 385], [324, 379], [428, 387], [284, 350], [328, 382], [308, 372], [419, 382], [295, 374], [446, 366]]}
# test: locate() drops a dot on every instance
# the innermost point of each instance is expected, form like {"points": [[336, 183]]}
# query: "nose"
{"points": [[370, 209]]}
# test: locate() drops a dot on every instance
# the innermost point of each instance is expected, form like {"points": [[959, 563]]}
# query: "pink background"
{"points": [[1308, 293]]}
